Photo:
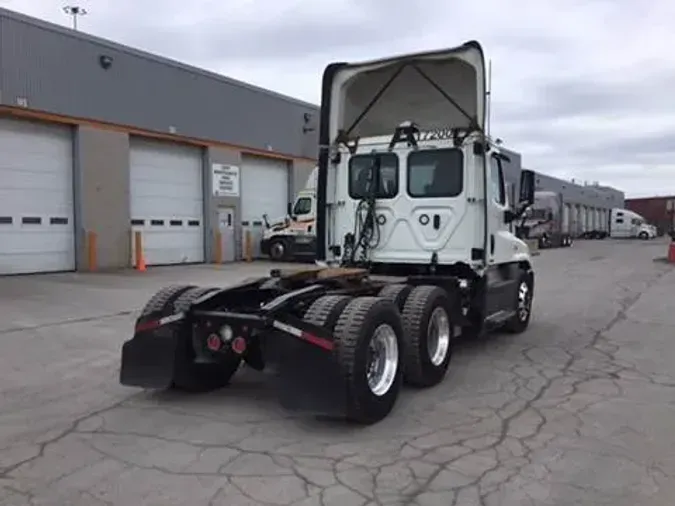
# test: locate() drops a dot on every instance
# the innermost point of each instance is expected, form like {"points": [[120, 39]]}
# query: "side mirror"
{"points": [[510, 216], [549, 216], [289, 208], [526, 195]]}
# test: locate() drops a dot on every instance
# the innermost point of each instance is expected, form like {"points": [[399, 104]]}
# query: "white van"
{"points": [[624, 224]]}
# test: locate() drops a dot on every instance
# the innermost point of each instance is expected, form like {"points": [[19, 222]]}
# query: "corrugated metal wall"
{"points": [[58, 71], [655, 211]]}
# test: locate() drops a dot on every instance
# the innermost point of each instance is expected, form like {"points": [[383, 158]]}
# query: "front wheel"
{"points": [[369, 343], [644, 236], [523, 306], [278, 250]]}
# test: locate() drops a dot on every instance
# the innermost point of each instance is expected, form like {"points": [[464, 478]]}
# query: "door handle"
{"points": [[437, 222], [492, 244]]}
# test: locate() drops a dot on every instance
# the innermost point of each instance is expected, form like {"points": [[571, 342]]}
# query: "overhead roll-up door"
{"points": [[37, 233], [167, 201], [264, 190]]}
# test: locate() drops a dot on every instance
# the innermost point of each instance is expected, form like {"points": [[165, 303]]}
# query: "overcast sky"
{"points": [[583, 90]]}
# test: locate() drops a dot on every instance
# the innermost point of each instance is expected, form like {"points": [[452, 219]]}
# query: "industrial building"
{"points": [[103, 145], [587, 206], [99, 141], [658, 211]]}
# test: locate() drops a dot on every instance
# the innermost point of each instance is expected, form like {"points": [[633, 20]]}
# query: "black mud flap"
{"points": [[149, 358], [309, 378]]}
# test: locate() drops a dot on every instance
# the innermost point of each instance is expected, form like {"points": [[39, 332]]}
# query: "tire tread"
{"points": [[413, 316], [347, 336], [163, 299]]}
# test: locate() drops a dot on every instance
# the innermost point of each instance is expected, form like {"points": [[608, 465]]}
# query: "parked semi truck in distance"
{"points": [[294, 236], [626, 224], [544, 221]]}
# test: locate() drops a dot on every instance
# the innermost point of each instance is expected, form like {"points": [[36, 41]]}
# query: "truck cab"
{"points": [[624, 224], [294, 236], [429, 203], [410, 184], [543, 221]]}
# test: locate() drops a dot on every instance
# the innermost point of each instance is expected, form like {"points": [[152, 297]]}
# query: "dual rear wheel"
{"points": [[404, 334]]}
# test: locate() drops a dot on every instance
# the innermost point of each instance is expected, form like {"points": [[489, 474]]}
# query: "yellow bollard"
{"points": [[248, 246], [92, 251], [218, 249], [140, 257]]}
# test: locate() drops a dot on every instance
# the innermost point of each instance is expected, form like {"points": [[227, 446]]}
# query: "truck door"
{"points": [[499, 239], [500, 284]]}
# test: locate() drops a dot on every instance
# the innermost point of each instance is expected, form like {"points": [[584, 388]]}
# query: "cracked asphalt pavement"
{"points": [[579, 410]]}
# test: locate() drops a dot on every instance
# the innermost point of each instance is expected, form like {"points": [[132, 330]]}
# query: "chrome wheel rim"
{"points": [[438, 336], [277, 250], [523, 301], [382, 360]]}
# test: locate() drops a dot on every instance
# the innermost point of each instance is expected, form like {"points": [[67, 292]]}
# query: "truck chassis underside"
{"points": [[319, 330]]}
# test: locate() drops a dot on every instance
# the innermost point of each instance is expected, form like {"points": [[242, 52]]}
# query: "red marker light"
{"points": [[239, 345], [213, 342]]}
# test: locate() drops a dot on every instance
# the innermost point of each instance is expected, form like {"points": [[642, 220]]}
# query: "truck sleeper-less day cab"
{"points": [[413, 248], [294, 236]]}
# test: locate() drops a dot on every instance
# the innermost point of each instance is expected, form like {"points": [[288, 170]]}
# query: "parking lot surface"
{"points": [[577, 410]]}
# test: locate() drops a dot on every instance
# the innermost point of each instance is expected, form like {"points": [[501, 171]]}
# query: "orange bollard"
{"points": [[140, 257], [248, 246], [218, 250], [92, 251]]}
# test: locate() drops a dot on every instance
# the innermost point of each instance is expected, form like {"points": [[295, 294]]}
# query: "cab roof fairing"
{"points": [[435, 90]]}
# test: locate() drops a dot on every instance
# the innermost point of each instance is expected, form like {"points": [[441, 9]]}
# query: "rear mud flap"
{"points": [[309, 378], [149, 359]]}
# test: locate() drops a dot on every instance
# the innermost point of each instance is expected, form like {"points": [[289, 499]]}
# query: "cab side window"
{"points": [[497, 181]]}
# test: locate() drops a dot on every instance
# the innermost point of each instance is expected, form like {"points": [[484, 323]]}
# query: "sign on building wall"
{"points": [[225, 180]]}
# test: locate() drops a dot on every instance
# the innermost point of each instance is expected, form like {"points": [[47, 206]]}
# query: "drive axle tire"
{"points": [[427, 320], [397, 293], [325, 311], [190, 375], [523, 305], [185, 300], [369, 341], [163, 300]]}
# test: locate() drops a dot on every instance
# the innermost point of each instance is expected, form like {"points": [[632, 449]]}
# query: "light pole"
{"points": [[75, 11]]}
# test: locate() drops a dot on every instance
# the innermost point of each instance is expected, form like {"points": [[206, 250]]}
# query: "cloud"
{"points": [[581, 88]]}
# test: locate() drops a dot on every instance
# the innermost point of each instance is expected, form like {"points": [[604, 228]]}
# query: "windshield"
{"points": [[435, 173], [302, 206], [538, 214]]}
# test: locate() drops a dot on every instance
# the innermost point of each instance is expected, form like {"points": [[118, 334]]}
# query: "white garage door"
{"points": [[36, 198], [167, 201], [264, 190]]}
